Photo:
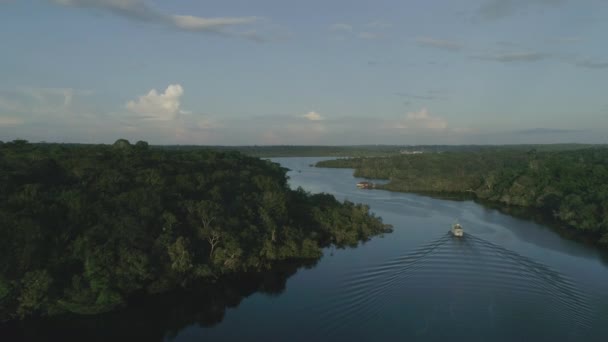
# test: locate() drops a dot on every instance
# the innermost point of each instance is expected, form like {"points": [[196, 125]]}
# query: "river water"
{"points": [[507, 279]]}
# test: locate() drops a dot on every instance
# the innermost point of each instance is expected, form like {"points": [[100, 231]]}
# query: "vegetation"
{"points": [[370, 150], [158, 317], [85, 228], [572, 186]]}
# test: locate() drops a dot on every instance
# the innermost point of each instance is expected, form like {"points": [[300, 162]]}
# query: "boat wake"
{"points": [[455, 280]]}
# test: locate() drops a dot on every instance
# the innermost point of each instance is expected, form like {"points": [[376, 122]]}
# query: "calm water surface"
{"points": [[507, 279]]}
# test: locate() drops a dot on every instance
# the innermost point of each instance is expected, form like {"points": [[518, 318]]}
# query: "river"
{"points": [[507, 279]]}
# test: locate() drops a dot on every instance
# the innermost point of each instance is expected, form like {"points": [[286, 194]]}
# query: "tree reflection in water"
{"points": [[159, 317]]}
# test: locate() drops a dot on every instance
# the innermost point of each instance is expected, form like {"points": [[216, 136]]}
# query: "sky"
{"points": [[314, 72]]}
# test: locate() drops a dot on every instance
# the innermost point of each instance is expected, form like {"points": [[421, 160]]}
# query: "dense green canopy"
{"points": [[572, 186], [83, 227]]}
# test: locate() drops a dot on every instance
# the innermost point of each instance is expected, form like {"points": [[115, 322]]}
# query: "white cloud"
{"points": [[140, 11], [192, 23], [155, 106], [41, 114], [341, 27], [313, 116], [422, 120]]}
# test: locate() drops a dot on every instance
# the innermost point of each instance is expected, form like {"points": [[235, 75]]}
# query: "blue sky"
{"points": [[333, 72]]}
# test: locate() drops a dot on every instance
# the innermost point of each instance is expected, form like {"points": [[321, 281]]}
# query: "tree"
{"points": [[141, 145], [34, 292], [122, 144], [213, 237], [181, 259], [207, 213]]}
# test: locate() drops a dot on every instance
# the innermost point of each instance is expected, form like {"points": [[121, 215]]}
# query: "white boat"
{"points": [[457, 230], [365, 185]]}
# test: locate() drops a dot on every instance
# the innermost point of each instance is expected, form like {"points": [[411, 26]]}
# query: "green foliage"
{"points": [[370, 150], [142, 145], [122, 144], [570, 185], [179, 253], [5, 289], [34, 292], [84, 227]]}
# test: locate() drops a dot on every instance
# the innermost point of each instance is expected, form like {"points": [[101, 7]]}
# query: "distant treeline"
{"points": [[369, 150], [83, 228], [268, 151], [572, 186]]}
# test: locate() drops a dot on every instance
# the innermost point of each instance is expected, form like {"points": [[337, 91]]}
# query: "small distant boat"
{"points": [[457, 230], [365, 185]]}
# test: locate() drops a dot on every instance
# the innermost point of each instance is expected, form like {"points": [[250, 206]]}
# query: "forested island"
{"points": [[86, 228], [571, 186]]}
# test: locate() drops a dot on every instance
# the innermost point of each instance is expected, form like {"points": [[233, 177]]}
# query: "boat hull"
{"points": [[457, 230]]}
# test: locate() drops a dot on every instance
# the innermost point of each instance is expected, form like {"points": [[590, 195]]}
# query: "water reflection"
{"points": [[538, 235], [161, 317]]}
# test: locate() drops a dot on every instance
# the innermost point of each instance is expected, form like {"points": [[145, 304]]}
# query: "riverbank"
{"points": [[527, 213], [570, 187]]}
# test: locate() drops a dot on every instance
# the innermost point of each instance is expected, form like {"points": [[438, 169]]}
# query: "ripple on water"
{"points": [[453, 281]]}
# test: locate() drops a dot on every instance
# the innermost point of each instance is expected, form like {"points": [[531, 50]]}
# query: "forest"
{"points": [[367, 150], [160, 317], [570, 186], [84, 229]]}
